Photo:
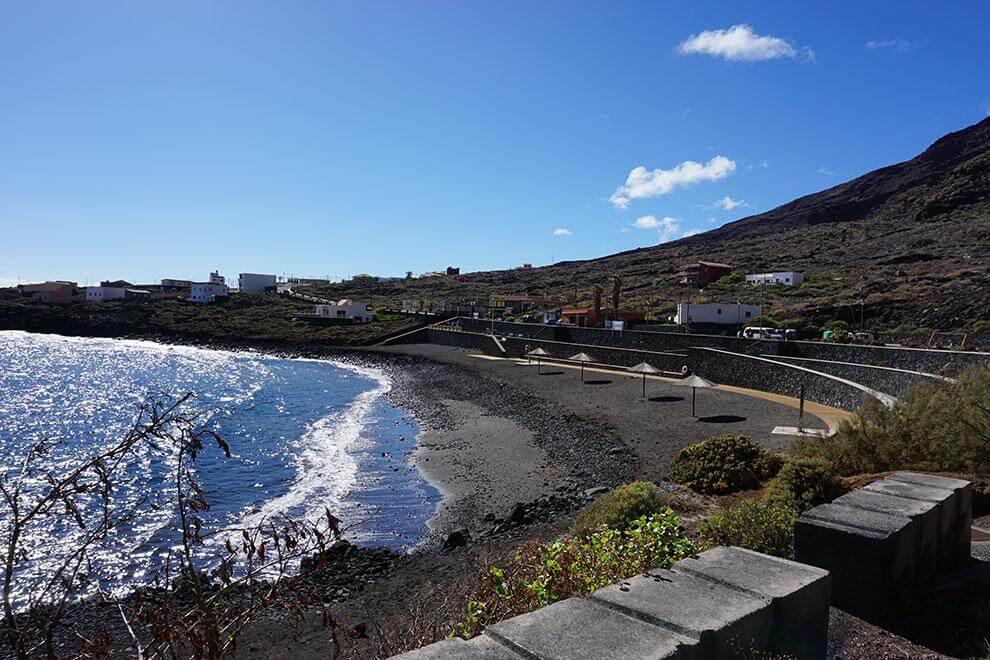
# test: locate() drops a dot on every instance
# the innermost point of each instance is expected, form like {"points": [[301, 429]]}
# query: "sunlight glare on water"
{"points": [[305, 434]]}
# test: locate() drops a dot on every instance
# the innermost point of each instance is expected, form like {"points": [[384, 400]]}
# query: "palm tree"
{"points": [[597, 291], [616, 293]]}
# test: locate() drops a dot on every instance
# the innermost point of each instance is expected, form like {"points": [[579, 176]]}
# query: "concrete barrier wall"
{"points": [[893, 535], [885, 379], [725, 602], [769, 375]]}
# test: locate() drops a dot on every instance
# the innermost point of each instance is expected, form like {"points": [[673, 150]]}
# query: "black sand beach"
{"points": [[515, 453]]}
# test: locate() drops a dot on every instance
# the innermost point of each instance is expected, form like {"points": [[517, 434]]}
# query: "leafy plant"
{"points": [[803, 483], [619, 508], [544, 573], [758, 526], [185, 613], [724, 464]]}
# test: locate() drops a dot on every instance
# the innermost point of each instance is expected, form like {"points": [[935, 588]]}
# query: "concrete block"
{"points": [[726, 622], [956, 552], [948, 507], [799, 594], [870, 554], [582, 628], [926, 516], [477, 648]]}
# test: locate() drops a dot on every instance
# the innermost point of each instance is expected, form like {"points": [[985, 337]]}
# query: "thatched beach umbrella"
{"points": [[582, 358], [694, 382], [644, 368], [539, 354]]}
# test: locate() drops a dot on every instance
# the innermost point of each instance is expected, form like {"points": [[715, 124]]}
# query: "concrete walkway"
{"points": [[831, 416]]}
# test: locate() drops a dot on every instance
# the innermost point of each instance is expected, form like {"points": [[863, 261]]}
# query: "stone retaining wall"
{"points": [[725, 602], [619, 357], [885, 379], [913, 359], [631, 339], [768, 375]]}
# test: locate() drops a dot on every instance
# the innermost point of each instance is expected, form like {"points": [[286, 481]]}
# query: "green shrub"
{"points": [[544, 573], [620, 507], [937, 427], [758, 526], [724, 464], [803, 483]]}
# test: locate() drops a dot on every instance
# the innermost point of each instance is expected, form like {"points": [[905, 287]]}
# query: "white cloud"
{"points": [[646, 222], [827, 172], [667, 227], [728, 203], [562, 232], [896, 44], [740, 43], [692, 232], [643, 184]]}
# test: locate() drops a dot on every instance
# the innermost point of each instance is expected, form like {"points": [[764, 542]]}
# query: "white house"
{"points": [[101, 293], [346, 309], [206, 292], [255, 283], [783, 278], [217, 278], [727, 313]]}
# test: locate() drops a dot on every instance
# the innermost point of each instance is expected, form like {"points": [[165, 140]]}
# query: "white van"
{"points": [[758, 333]]}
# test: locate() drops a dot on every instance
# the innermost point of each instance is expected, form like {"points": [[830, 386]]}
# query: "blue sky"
{"points": [[163, 139]]}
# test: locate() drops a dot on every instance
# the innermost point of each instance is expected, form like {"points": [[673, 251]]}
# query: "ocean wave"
{"points": [[326, 470]]}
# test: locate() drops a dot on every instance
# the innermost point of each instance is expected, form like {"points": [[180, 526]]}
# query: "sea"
{"points": [[305, 436]]}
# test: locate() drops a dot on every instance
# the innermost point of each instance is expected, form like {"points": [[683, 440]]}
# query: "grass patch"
{"points": [[724, 464], [758, 526]]}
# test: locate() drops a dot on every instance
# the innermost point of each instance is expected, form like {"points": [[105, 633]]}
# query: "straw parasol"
{"points": [[582, 358], [644, 368], [694, 382], [538, 353]]}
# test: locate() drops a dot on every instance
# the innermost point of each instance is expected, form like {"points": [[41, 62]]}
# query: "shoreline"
{"points": [[513, 454], [485, 501]]}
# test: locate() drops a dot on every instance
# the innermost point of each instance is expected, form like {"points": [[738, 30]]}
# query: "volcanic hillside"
{"points": [[911, 240]]}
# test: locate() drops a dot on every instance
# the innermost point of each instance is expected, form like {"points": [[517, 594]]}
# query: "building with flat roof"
{"points": [[104, 293], [585, 317], [781, 278], [721, 313], [255, 283], [52, 293], [703, 272], [345, 309]]}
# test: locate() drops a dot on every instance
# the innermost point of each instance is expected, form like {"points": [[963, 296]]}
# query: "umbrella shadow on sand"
{"points": [[722, 419], [665, 399]]}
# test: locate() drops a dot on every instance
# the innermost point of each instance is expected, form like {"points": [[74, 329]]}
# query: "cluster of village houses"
{"points": [[61, 292], [699, 274]]}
